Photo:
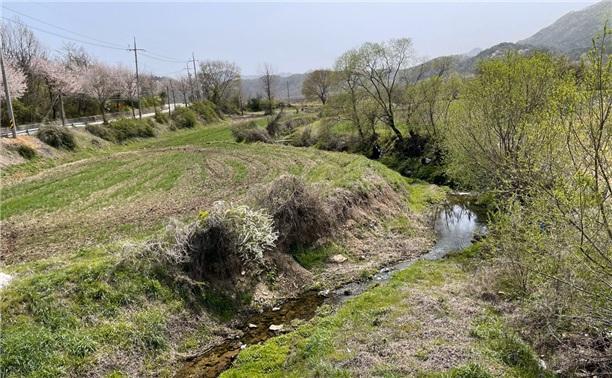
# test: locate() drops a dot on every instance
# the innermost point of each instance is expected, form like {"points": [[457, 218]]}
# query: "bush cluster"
{"points": [[58, 137], [299, 215], [24, 151], [249, 132], [161, 118], [123, 129], [206, 111], [184, 118]]}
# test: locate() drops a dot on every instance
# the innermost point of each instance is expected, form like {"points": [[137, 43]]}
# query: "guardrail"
{"points": [[79, 122]]}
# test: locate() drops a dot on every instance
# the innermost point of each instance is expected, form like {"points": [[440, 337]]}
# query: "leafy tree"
{"points": [[318, 84], [379, 68]]}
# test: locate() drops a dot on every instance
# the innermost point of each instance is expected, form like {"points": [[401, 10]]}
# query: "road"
{"points": [[33, 130]]}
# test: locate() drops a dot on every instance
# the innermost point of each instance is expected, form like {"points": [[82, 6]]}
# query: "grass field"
{"points": [[75, 305]]}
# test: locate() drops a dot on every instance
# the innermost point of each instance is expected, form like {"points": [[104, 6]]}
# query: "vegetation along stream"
{"points": [[456, 224]]}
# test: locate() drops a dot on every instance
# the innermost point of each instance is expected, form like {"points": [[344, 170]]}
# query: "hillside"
{"points": [[77, 229], [252, 87], [572, 33]]}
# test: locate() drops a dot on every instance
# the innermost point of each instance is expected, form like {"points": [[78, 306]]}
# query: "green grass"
{"points": [[319, 347], [76, 303], [313, 258], [58, 314]]}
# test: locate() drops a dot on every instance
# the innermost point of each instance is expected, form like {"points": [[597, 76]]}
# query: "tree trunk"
{"points": [[103, 112], [62, 112], [391, 123]]}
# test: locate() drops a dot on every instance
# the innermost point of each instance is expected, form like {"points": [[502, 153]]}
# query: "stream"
{"points": [[455, 226]]}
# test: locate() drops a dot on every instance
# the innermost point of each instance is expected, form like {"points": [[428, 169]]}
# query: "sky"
{"points": [[293, 37]]}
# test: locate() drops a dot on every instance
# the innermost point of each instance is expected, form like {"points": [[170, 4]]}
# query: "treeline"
{"points": [[72, 83], [532, 133]]}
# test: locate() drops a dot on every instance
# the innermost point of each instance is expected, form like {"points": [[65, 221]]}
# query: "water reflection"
{"points": [[455, 227]]}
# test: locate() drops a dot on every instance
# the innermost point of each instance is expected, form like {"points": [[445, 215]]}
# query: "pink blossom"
{"points": [[16, 81]]}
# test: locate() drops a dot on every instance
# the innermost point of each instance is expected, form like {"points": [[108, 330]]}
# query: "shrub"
{"points": [[161, 118], [274, 126], [298, 213], [249, 132], [302, 138], [219, 245], [24, 151], [206, 110], [184, 118], [101, 131], [132, 128], [58, 137], [123, 129]]}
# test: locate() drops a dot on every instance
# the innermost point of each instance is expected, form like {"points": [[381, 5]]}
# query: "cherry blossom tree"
{"points": [[60, 79], [101, 81], [127, 83], [15, 79]]}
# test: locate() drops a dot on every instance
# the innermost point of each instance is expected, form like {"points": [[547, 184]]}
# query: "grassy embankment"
{"points": [[75, 306], [427, 321]]}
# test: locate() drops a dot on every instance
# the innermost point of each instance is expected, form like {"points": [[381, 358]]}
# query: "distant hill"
{"points": [[572, 34], [253, 87]]}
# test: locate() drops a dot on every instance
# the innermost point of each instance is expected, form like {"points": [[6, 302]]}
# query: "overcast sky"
{"points": [[293, 37]]}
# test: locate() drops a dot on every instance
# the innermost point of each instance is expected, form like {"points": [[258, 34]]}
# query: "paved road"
{"points": [[33, 130]]}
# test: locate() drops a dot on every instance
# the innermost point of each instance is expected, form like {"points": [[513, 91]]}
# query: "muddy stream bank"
{"points": [[455, 225]]}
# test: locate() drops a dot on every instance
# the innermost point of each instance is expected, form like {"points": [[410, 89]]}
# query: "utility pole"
{"points": [[168, 97], [195, 75], [288, 97], [173, 95], [137, 79], [190, 83], [7, 94]]}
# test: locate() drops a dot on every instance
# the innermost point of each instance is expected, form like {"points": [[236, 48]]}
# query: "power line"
{"points": [[63, 36], [62, 28]]}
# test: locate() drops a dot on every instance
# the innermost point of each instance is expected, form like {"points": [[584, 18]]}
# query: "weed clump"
{"points": [[58, 137], [206, 110], [223, 243], [184, 118], [123, 129], [24, 151], [249, 132], [299, 215], [161, 118]]}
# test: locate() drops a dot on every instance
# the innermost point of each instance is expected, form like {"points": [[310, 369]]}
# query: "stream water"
{"points": [[455, 225]]}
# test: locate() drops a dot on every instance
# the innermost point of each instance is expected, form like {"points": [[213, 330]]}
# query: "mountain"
{"points": [[253, 87], [572, 34]]}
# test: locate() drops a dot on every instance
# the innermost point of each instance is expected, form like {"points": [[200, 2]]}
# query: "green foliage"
{"points": [[206, 111], [315, 257], [123, 129], [46, 315], [507, 346], [184, 118], [58, 137], [161, 118]]}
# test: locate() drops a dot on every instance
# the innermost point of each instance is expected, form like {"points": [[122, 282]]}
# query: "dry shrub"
{"points": [[299, 215], [249, 132]]}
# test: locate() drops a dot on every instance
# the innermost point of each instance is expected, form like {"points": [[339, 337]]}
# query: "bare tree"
{"points": [[318, 84], [20, 44], [267, 79], [219, 79]]}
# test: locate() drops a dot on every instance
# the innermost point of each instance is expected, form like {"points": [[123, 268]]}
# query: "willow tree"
{"points": [[379, 69]]}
